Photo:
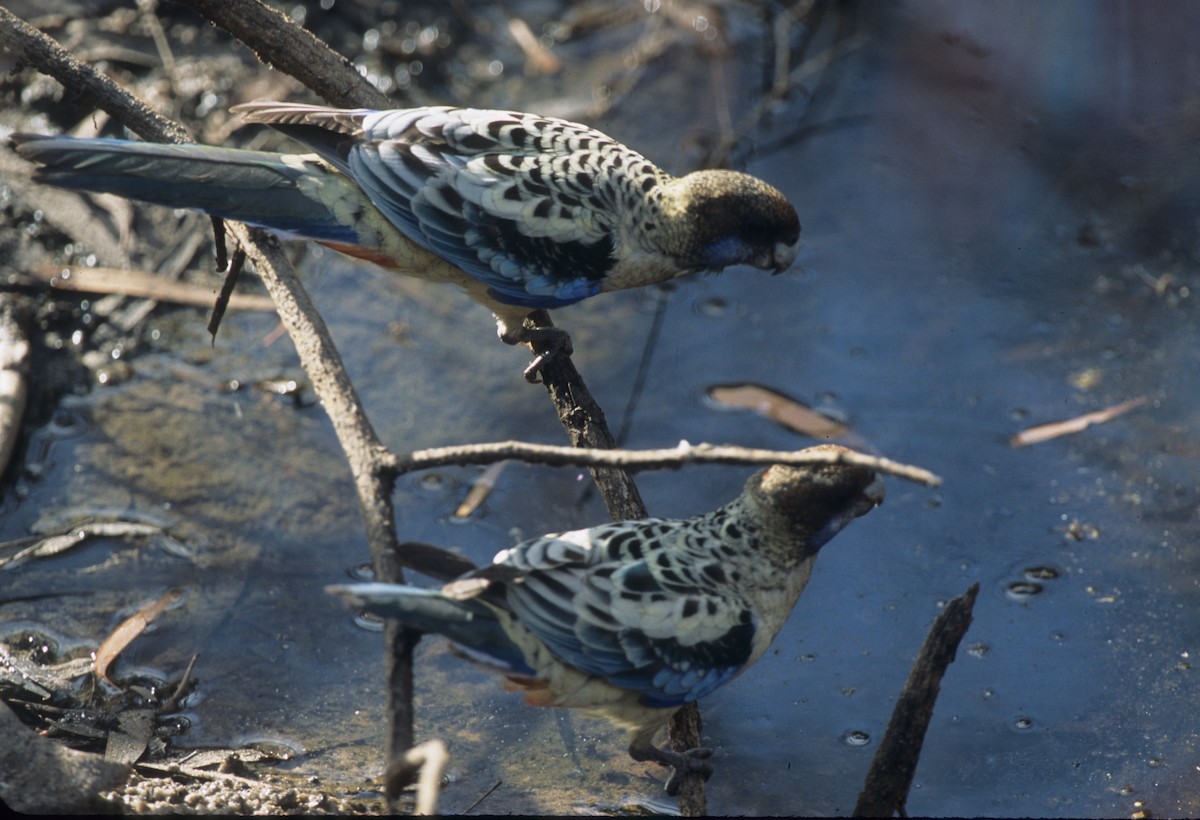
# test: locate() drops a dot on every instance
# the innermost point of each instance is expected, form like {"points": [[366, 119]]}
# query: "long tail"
{"points": [[471, 625], [282, 192]]}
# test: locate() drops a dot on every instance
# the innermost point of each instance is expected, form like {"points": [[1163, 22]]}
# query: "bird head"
{"points": [[812, 503], [735, 219]]}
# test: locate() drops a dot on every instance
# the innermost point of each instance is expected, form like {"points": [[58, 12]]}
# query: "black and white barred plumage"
{"points": [[633, 619], [524, 212]]}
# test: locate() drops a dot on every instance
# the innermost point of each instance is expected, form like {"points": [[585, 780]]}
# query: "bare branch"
{"points": [[633, 460], [313, 344], [885, 791], [280, 43], [585, 425], [82, 81], [786, 78]]}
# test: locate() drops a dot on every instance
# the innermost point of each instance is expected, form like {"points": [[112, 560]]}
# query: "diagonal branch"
{"points": [[314, 345], [281, 44], [885, 791]]}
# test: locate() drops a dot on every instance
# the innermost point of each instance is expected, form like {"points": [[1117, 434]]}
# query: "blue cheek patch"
{"points": [[729, 250], [831, 528]]}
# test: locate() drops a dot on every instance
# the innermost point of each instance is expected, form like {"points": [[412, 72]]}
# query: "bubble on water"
{"points": [[1041, 573], [433, 483], [464, 514], [856, 737], [1023, 723], [712, 306], [174, 724], [369, 622], [1022, 591], [66, 423], [978, 649], [362, 572], [276, 746]]}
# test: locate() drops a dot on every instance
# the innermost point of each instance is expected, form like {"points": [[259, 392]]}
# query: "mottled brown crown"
{"points": [[733, 218], [809, 503]]}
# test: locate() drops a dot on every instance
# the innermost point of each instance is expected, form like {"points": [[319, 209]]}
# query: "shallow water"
{"points": [[985, 223]]}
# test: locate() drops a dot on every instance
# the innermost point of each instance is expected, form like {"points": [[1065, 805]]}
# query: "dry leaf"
{"points": [[1045, 432], [539, 58], [481, 489], [129, 629], [781, 409]]}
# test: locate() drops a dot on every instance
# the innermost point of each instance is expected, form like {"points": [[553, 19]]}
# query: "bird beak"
{"points": [[781, 258], [871, 497]]}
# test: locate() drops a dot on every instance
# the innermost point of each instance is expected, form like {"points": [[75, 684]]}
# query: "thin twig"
{"points": [[1046, 432], [784, 80], [143, 284], [36, 49], [483, 796], [633, 460], [430, 759]]}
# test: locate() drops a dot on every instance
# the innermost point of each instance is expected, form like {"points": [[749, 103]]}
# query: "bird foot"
{"points": [[546, 341], [693, 761]]}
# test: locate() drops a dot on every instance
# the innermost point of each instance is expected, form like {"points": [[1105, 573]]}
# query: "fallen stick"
{"points": [[890, 777], [1045, 432]]}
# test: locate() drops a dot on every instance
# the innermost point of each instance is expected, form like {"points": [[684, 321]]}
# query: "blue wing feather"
{"points": [[413, 167], [576, 609]]}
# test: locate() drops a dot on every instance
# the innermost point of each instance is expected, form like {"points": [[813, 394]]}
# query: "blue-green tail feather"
{"points": [[256, 187]]}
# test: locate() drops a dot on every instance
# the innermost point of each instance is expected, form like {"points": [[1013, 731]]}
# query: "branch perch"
{"points": [[587, 429], [671, 458]]}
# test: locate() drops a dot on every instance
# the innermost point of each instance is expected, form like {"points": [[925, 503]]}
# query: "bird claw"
{"points": [[693, 761], [546, 341], [533, 373]]}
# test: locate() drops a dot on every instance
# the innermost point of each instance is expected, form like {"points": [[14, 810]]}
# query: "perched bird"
{"points": [[631, 620], [524, 212]]}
